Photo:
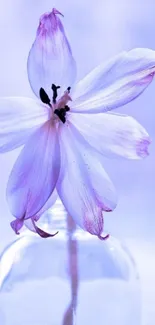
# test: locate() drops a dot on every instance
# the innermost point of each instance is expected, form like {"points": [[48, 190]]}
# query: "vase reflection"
{"points": [[73, 278]]}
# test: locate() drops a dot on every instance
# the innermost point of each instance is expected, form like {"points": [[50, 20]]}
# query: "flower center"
{"points": [[59, 107]]}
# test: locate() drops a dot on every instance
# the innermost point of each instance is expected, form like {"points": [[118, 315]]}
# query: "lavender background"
{"points": [[97, 30]]}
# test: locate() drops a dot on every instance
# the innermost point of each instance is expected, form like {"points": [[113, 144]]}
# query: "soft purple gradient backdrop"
{"points": [[97, 30]]}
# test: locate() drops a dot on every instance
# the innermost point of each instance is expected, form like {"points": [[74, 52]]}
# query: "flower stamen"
{"points": [[44, 97], [55, 93], [68, 89], [61, 113]]}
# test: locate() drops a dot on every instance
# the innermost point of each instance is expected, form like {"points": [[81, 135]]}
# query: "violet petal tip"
{"points": [[104, 237], [41, 232], [56, 12], [142, 147], [16, 225]]}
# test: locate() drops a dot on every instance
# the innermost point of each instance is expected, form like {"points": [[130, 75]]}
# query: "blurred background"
{"points": [[97, 30]]}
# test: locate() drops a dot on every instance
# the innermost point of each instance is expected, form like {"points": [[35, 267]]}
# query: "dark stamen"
{"points": [[44, 97], [67, 108], [55, 93], [68, 89], [61, 113]]}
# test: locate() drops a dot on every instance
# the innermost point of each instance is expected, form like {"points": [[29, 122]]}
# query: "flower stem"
{"points": [[73, 273]]}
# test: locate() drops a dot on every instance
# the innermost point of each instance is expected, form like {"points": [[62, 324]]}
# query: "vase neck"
{"points": [[57, 218]]}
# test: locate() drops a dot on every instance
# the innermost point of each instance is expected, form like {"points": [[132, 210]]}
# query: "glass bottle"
{"points": [[70, 279]]}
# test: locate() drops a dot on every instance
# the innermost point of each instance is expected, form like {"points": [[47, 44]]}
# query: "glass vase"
{"points": [[71, 279]]}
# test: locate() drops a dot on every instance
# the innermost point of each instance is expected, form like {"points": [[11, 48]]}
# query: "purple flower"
{"points": [[69, 130]]}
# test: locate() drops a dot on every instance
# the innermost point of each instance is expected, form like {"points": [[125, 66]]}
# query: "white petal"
{"points": [[50, 59], [30, 223], [113, 135], [83, 185], [49, 203], [35, 173], [19, 118], [116, 82]]}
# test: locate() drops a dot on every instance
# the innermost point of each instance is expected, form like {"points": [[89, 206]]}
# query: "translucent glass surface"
{"points": [[70, 279], [36, 285]]}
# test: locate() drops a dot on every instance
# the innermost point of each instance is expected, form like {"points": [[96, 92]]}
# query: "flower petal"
{"points": [[49, 203], [16, 225], [31, 225], [83, 185], [50, 59], [35, 173], [116, 82], [113, 135], [19, 118]]}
